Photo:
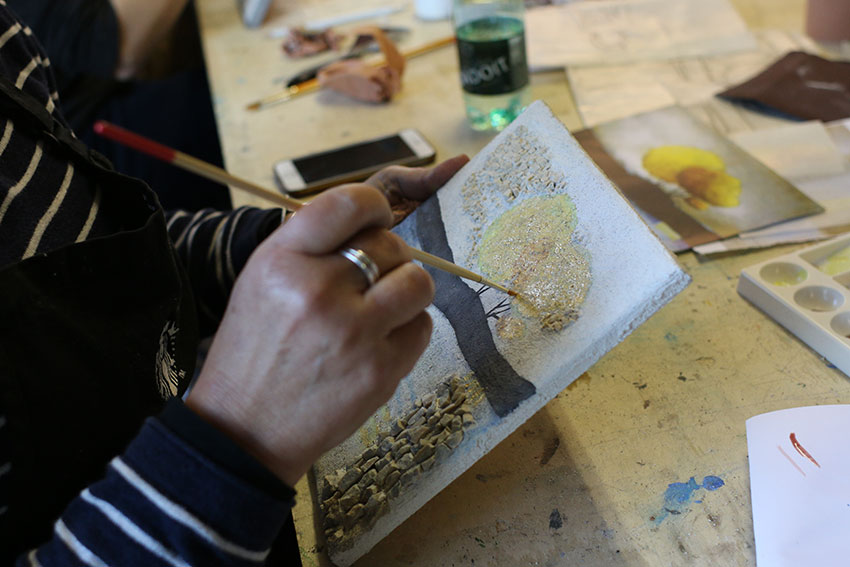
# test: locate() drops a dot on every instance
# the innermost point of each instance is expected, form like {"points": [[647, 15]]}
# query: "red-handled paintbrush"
{"points": [[210, 171]]}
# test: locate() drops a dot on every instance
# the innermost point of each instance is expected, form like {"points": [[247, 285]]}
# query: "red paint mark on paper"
{"points": [[790, 460], [802, 450]]}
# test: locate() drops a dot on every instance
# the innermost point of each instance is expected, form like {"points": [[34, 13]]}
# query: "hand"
{"points": [[406, 187], [142, 25], [306, 352]]}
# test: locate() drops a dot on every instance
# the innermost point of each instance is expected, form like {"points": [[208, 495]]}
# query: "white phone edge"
{"points": [[417, 142], [291, 181]]}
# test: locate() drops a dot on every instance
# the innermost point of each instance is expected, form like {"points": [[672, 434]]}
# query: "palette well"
{"points": [[808, 293]]}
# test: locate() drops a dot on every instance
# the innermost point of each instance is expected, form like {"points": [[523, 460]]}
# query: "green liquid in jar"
{"points": [[494, 71]]}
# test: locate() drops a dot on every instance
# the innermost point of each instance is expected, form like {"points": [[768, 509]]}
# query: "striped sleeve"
{"points": [[164, 503], [214, 247]]}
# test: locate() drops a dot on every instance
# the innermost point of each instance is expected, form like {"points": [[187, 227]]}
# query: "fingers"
{"points": [[355, 216], [409, 341], [385, 249], [398, 297], [333, 218], [336, 215], [415, 183]]}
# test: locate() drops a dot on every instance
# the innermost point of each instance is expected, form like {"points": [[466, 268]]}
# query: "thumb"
{"points": [[399, 183]]}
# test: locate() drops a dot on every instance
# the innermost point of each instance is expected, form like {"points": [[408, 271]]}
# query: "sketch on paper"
{"points": [[530, 212]]}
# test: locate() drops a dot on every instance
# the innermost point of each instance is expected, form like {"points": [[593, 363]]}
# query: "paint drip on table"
{"points": [[679, 496]]}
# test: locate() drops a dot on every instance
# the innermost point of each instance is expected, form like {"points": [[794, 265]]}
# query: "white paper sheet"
{"points": [[609, 92], [800, 485], [322, 14], [796, 150], [616, 31]]}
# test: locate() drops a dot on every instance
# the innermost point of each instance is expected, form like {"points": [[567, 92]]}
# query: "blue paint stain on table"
{"points": [[679, 495], [712, 482]]}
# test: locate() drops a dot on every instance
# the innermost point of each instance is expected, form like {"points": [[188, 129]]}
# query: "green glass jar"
{"points": [[493, 65]]}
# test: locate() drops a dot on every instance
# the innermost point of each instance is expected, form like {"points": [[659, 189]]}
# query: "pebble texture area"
{"points": [[354, 497], [531, 247], [520, 164]]}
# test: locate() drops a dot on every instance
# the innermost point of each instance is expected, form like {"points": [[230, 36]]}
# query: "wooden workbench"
{"points": [[584, 480]]}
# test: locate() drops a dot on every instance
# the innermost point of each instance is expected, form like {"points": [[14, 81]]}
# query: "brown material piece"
{"points": [[313, 84], [301, 43], [364, 82], [799, 85]]}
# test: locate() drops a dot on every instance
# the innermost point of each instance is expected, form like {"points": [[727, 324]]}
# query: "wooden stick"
{"points": [[313, 84], [215, 173], [446, 266], [285, 94]]}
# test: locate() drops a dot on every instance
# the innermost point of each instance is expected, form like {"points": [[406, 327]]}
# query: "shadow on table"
{"points": [[524, 503]]}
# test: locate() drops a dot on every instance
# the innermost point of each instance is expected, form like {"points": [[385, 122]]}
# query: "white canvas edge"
{"points": [[538, 118]]}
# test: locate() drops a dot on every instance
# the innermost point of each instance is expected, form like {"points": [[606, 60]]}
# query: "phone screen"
{"points": [[352, 158]]}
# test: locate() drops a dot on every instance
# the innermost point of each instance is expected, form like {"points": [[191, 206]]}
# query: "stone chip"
{"points": [[351, 476], [350, 498]]}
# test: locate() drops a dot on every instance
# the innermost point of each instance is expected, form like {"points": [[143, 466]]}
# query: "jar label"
{"points": [[493, 67]]}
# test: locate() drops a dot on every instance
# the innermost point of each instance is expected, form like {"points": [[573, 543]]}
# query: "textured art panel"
{"points": [[533, 212]]}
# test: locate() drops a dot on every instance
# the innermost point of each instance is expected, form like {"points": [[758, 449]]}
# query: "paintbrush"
{"points": [[215, 173], [313, 84]]}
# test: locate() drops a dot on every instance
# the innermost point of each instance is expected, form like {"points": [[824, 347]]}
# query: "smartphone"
{"points": [[355, 162]]}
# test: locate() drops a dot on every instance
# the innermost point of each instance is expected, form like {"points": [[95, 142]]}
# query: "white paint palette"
{"points": [[808, 293]]}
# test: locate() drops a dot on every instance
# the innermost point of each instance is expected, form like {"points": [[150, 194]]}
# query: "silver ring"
{"points": [[362, 260]]}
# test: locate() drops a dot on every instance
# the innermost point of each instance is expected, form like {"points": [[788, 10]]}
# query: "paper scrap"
{"points": [[800, 487], [608, 92], [839, 131], [794, 151], [617, 31], [314, 15]]}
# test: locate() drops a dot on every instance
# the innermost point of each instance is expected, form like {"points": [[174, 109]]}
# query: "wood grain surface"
{"points": [[601, 476]]}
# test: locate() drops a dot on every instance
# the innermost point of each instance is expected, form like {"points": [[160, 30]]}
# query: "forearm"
{"points": [[142, 23], [154, 507]]}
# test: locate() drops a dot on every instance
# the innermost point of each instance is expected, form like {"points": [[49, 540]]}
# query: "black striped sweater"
{"points": [[140, 513]]}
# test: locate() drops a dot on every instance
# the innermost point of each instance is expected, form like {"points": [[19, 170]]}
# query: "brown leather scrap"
{"points": [[302, 43], [365, 82]]}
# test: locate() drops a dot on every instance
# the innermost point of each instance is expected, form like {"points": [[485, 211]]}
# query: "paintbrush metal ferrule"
{"points": [[502, 288], [510, 292]]}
